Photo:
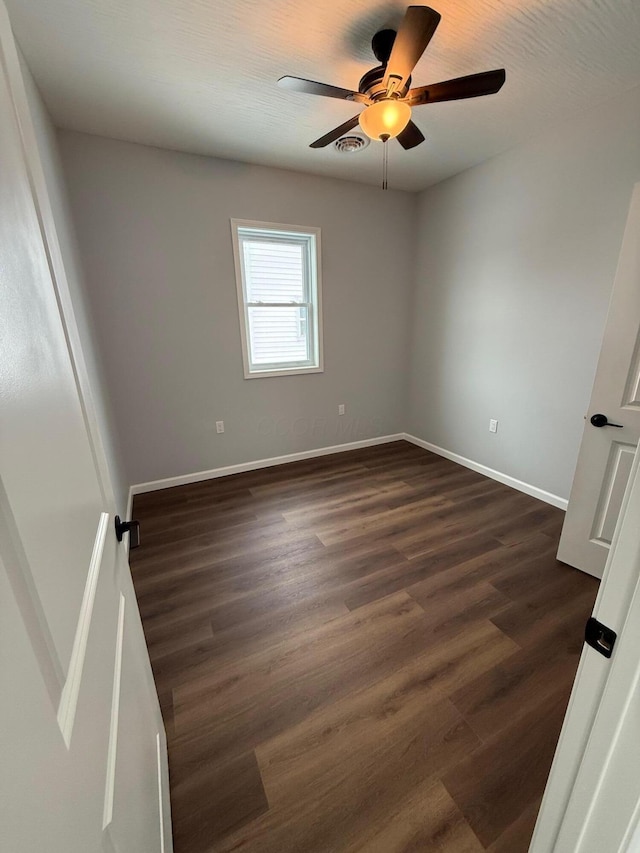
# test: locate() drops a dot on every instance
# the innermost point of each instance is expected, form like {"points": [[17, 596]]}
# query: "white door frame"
{"points": [[46, 221], [585, 763], [51, 243]]}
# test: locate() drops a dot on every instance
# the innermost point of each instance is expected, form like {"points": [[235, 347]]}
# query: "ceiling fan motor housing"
{"points": [[371, 83]]}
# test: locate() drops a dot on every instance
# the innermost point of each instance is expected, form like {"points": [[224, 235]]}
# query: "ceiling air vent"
{"points": [[350, 144]]}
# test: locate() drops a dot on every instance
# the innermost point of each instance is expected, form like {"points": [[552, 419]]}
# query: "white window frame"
{"points": [[313, 304]]}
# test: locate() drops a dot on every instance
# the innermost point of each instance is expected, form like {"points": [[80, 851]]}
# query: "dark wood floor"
{"points": [[371, 651]]}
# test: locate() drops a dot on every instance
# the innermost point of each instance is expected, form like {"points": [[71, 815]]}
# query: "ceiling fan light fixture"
{"points": [[385, 119]]}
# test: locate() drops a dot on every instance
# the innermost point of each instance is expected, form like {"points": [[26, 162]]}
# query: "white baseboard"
{"points": [[256, 464], [527, 488], [199, 476]]}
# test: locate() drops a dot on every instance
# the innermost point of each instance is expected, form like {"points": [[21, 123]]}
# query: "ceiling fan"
{"points": [[386, 90]]}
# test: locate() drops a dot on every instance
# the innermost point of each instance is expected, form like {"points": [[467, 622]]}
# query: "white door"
{"points": [[592, 800], [607, 451], [82, 755]]}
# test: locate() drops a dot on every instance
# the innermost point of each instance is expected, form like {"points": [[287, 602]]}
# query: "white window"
{"points": [[279, 299]]}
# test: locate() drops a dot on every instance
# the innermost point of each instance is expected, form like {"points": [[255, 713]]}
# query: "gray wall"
{"points": [[483, 297], [515, 263], [154, 230], [49, 156]]}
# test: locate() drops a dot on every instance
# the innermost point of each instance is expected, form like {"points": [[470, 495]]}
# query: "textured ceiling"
{"points": [[201, 76]]}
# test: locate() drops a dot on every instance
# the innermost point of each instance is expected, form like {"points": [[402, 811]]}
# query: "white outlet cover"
{"points": [[493, 425]]}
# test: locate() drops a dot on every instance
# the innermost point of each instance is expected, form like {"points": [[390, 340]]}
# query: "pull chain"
{"points": [[385, 161]]}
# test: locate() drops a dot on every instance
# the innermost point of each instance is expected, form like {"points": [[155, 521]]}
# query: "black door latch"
{"points": [[600, 420], [130, 527], [599, 637]]}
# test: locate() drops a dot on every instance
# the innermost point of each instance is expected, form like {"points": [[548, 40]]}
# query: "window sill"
{"points": [[289, 371]]}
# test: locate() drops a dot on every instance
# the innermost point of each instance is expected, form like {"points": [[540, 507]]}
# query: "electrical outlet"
{"points": [[219, 426], [341, 409], [493, 425]]}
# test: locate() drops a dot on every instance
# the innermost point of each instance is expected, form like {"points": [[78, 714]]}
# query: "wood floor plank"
{"points": [[238, 538], [541, 571], [560, 612], [378, 718], [473, 601], [488, 566], [211, 800], [368, 651], [393, 769], [516, 838], [427, 820], [163, 641], [327, 822], [318, 481], [389, 736], [457, 521], [454, 481], [498, 781], [407, 573], [260, 584], [533, 521], [361, 487], [385, 523], [174, 563], [182, 527], [352, 506], [246, 637], [280, 685], [525, 681]]}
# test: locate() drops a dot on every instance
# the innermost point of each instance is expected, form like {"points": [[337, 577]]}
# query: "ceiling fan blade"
{"points": [[414, 35], [336, 133], [410, 136], [310, 87], [486, 83]]}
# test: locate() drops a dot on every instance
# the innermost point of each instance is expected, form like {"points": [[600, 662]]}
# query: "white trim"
{"points": [[160, 791], [315, 292], [112, 751], [71, 689], [527, 488], [199, 476], [255, 465], [290, 371]]}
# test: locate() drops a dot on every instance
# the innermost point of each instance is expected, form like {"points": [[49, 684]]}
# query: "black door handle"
{"points": [[130, 527], [600, 420]]}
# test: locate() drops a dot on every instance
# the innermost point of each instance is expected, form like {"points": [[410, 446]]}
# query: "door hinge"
{"points": [[599, 637]]}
